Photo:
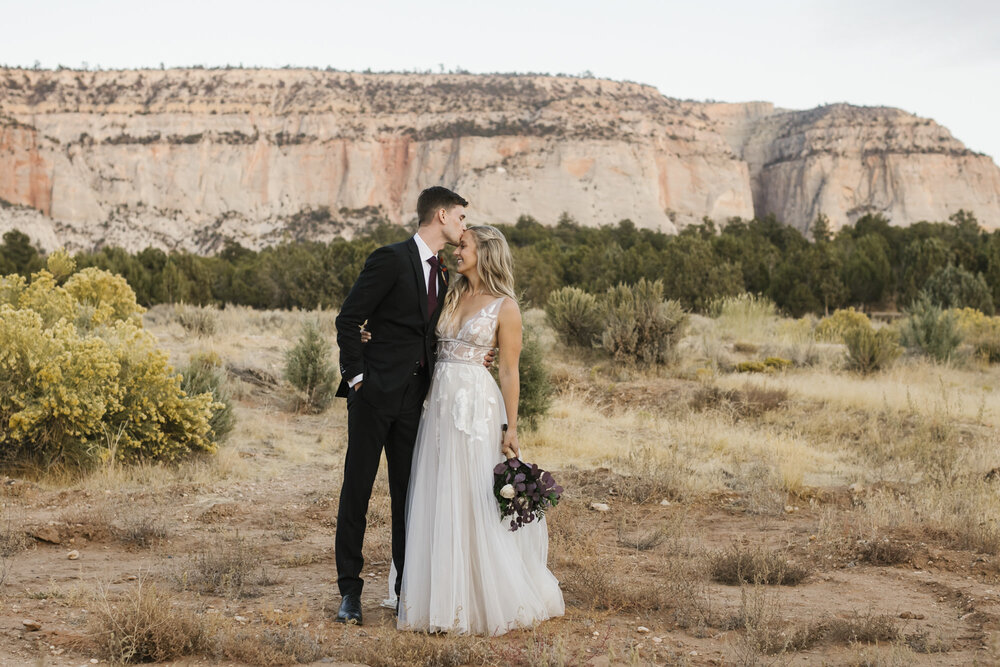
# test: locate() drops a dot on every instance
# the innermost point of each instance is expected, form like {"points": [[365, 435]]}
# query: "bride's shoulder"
{"points": [[509, 309]]}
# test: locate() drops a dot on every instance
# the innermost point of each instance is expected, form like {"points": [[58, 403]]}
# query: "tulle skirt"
{"points": [[465, 571]]}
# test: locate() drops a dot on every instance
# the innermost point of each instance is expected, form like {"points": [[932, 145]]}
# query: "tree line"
{"points": [[871, 264]]}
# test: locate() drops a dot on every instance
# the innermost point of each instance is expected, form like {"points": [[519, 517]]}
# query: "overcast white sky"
{"points": [[937, 59]]}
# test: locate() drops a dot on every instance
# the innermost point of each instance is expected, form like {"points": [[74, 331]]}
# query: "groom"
{"points": [[398, 297]]}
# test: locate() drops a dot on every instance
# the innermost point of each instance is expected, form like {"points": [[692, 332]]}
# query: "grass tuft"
{"points": [[232, 568], [741, 564]]}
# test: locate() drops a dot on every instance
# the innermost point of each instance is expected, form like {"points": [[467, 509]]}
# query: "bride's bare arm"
{"points": [[509, 342]]}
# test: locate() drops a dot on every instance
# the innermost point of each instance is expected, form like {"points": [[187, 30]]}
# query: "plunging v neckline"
{"points": [[476, 314]]}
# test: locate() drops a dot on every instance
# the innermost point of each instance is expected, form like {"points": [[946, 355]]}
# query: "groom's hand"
{"points": [[490, 358]]}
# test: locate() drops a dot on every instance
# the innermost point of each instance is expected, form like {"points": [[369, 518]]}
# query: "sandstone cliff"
{"points": [[190, 158], [846, 161]]}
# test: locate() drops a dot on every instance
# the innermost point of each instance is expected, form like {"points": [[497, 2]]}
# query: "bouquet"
{"points": [[524, 491]]}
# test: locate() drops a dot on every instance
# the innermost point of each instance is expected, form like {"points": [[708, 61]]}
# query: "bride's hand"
{"points": [[511, 448]]}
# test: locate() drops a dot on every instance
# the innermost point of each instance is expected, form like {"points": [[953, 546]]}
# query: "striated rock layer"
{"points": [[192, 158]]}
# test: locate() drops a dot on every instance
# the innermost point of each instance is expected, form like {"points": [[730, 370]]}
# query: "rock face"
{"points": [[192, 158], [847, 161]]}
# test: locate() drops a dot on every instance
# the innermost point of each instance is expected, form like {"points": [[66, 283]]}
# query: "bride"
{"points": [[465, 571]]}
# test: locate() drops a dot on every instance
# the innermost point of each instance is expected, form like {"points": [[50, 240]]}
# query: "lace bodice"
{"points": [[474, 338]]}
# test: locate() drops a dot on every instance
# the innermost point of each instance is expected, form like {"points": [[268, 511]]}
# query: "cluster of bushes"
{"points": [[81, 382], [870, 264], [636, 324], [927, 328], [632, 323]]}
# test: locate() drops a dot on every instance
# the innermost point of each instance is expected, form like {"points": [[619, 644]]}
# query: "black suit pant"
{"points": [[369, 429]]}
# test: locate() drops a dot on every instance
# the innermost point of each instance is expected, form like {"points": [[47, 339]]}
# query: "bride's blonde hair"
{"points": [[495, 267]]}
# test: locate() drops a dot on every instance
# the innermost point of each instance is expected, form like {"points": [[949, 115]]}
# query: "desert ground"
{"points": [[804, 516]]}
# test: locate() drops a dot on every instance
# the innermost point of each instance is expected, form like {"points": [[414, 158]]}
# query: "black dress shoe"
{"points": [[350, 610]]}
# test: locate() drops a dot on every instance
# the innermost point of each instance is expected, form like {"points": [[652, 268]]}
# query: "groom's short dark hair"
{"points": [[435, 198]]}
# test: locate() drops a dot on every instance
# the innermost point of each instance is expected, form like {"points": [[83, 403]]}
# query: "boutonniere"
{"points": [[443, 271]]}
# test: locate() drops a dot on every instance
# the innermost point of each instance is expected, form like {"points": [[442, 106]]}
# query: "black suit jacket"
{"points": [[391, 295]]}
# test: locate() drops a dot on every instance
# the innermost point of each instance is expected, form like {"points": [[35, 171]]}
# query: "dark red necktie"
{"points": [[432, 282]]}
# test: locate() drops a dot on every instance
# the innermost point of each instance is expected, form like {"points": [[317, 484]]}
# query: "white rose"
{"points": [[508, 491]]}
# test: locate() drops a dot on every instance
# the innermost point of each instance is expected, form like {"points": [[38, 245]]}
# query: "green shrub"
{"points": [[954, 287], [769, 365], [198, 320], [536, 389], [74, 394], [205, 373], [575, 315], [831, 329], [640, 327], [308, 368], [869, 350], [751, 367], [931, 330], [778, 363]]}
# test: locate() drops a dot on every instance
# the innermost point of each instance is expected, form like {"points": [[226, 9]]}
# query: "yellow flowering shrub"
{"points": [[106, 296], [61, 265], [81, 381], [48, 299], [11, 288], [831, 329], [981, 331]]}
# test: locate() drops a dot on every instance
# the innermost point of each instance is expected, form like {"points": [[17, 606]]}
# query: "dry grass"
{"points": [[913, 386], [640, 539], [884, 551], [754, 564], [230, 567], [267, 645], [13, 541], [703, 447], [647, 476], [751, 401], [141, 530], [923, 642], [868, 628], [762, 630], [133, 525], [143, 625], [404, 649]]}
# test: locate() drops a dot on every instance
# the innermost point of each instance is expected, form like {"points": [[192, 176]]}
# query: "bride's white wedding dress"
{"points": [[465, 571]]}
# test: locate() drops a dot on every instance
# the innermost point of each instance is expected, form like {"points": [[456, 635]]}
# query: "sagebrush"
{"points": [[575, 316], [640, 326]]}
